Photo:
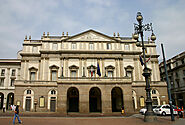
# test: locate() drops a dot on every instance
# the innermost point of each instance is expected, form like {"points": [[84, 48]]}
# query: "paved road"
{"points": [[133, 120]]}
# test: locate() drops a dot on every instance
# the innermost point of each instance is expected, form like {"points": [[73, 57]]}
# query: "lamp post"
{"points": [[139, 28]]}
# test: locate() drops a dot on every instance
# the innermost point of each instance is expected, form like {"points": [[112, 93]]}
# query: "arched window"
{"points": [[53, 92], [28, 92], [153, 91]]}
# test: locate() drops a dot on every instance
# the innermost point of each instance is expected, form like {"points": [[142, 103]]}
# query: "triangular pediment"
{"points": [[90, 35]]}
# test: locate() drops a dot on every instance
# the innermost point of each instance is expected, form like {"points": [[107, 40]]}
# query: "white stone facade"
{"points": [[61, 74]]}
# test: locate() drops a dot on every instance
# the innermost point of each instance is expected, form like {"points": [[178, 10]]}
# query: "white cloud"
{"points": [[20, 18], [169, 24]]}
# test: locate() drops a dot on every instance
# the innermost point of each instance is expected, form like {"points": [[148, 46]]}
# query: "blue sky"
{"points": [[33, 17]]}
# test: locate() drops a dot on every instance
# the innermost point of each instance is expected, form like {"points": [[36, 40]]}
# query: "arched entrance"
{"points": [[72, 100], [52, 100], [117, 99], [10, 100], [1, 100], [95, 100]]}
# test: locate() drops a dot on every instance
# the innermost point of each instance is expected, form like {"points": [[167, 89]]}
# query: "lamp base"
{"points": [[150, 117]]}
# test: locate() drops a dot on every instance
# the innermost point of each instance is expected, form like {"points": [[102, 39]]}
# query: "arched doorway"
{"points": [[117, 99], [10, 100], [28, 100], [155, 97], [1, 100], [72, 100], [52, 100], [95, 100]]}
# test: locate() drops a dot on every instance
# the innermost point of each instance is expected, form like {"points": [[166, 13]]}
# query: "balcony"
{"points": [[93, 80]]}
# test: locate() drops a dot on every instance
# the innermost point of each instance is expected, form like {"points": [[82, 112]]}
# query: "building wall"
{"points": [[65, 54], [176, 75]]}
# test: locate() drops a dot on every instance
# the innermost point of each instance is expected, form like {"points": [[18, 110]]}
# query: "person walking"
{"points": [[17, 115]]}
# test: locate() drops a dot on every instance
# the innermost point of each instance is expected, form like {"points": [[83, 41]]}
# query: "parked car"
{"points": [[143, 110], [165, 110]]}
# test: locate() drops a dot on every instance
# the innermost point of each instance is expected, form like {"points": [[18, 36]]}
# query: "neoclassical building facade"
{"points": [[62, 74]]}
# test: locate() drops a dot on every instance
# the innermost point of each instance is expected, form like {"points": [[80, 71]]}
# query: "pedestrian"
{"points": [[122, 110], [16, 115], [4, 109]]}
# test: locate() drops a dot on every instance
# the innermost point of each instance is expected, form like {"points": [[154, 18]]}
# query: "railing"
{"points": [[95, 78]]}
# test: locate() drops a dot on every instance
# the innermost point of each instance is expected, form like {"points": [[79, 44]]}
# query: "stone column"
{"points": [[39, 70], [22, 72], [18, 74], [116, 68], [43, 68], [106, 100], [85, 65], [8, 77], [80, 68], [66, 67], [103, 67], [27, 71], [46, 70], [121, 67], [60, 67], [62, 99], [83, 100], [127, 98]]}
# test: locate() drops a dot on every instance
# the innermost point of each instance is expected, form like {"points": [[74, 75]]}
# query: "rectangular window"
{"points": [[92, 74], [91, 46], [12, 82], [127, 47], [184, 72], [178, 84], [1, 82], [73, 73], [110, 73], [176, 64], [34, 49], [73, 46], [55, 46], [3, 72], [13, 72], [108, 46], [54, 76], [32, 76], [177, 75]]}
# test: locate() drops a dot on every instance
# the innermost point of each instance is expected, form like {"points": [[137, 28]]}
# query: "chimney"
{"points": [[62, 33], [29, 37], [47, 33], [43, 33], [67, 34], [114, 34], [26, 37]]}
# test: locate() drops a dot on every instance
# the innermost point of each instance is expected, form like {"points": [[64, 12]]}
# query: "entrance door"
{"points": [[117, 99], [52, 104], [72, 100], [28, 103], [95, 100]]}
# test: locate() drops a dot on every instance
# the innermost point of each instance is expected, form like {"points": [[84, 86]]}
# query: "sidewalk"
{"points": [[83, 121], [36, 118]]}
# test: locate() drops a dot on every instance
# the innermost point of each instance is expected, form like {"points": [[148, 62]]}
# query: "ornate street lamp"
{"points": [[139, 28]]}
